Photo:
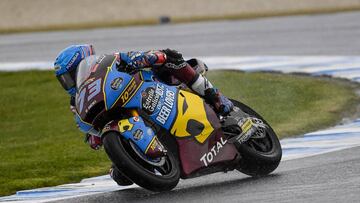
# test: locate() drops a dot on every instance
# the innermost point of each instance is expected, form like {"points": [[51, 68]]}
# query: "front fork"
{"points": [[134, 130]]}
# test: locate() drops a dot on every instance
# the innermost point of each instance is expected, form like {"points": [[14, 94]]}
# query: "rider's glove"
{"points": [[93, 141], [133, 60], [174, 59]]}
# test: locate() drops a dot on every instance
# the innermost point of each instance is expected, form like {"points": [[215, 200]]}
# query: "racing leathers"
{"points": [[167, 63], [171, 62]]}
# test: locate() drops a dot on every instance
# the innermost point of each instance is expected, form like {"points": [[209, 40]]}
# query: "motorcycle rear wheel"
{"points": [[154, 178], [259, 156]]}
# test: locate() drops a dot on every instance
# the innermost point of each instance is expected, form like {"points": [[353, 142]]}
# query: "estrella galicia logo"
{"points": [[150, 99], [115, 84]]}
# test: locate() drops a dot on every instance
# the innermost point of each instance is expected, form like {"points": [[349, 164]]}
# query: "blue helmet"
{"points": [[66, 64]]}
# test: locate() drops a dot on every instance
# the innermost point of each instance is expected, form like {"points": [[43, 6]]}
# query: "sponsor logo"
{"points": [[128, 92], [153, 145], [166, 108], [247, 125], [101, 58], [90, 106], [150, 99], [116, 83], [135, 55], [138, 134], [72, 60], [174, 66], [207, 158]]}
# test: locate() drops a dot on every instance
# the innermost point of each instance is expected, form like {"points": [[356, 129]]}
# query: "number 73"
{"points": [[92, 90]]}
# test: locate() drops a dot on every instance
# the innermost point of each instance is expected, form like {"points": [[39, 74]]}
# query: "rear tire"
{"points": [[137, 170], [259, 156]]}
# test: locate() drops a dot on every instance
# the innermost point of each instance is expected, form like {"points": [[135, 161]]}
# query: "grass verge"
{"points": [[40, 145], [292, 104]]}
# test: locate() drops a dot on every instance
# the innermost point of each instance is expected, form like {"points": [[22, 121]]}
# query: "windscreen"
{"points": [[84, 69]]}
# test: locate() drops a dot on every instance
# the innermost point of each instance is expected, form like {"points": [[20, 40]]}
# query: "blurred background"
{"points": [[22, 15]]}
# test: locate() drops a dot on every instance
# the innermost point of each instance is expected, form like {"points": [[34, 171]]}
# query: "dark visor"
{"points": [[66, 81]]}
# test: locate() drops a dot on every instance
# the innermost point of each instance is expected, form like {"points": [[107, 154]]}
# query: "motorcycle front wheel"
{"points": [[259, 156], [155, 177]]}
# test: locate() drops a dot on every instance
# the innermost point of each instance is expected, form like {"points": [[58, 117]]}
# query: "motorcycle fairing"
{"points": [[195, 156], [158, 100], [194, 124], [191, 119], [148, 75], [134, 129], [83, 126], [90, 95], [119, 87]]}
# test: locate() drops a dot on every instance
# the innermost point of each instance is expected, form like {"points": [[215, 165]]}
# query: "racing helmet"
{"points": [[66, 64]]}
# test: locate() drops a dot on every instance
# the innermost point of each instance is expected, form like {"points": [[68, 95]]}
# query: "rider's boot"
{"points": [[202, 86], [239, 130], [118, 177], [197, 82], [222, 104]]}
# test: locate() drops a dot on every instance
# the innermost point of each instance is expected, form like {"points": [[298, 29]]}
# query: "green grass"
{"points": [[291, 104], [39, 142], [40, 145]]}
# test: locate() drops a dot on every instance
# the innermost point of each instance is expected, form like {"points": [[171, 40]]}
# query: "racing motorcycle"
{"points": [[157, 132]]}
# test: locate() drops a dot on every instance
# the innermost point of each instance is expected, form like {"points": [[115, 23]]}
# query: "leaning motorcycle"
{"points": [[157, 132]]}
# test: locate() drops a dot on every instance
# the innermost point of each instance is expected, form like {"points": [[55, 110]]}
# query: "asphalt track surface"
{"points": [[335, 34], [332, 177]]}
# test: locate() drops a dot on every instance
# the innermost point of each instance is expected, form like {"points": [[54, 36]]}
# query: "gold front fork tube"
{"points": [[134, 112]]}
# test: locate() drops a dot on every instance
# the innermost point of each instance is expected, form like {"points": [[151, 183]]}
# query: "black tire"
{"points": [[259, 161], [137, 170]]}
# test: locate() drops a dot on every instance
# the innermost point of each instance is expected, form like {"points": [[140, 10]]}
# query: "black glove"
{"points": [[174, 59]]}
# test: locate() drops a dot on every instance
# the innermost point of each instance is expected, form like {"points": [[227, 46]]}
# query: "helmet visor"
{"points": [[66, 81]]}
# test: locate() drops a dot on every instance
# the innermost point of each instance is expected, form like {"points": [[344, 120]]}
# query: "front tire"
{"points": [[150, 177], [259, 156]]}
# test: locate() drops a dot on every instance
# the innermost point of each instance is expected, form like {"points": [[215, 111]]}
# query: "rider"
{"points": [[165, 61]]}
